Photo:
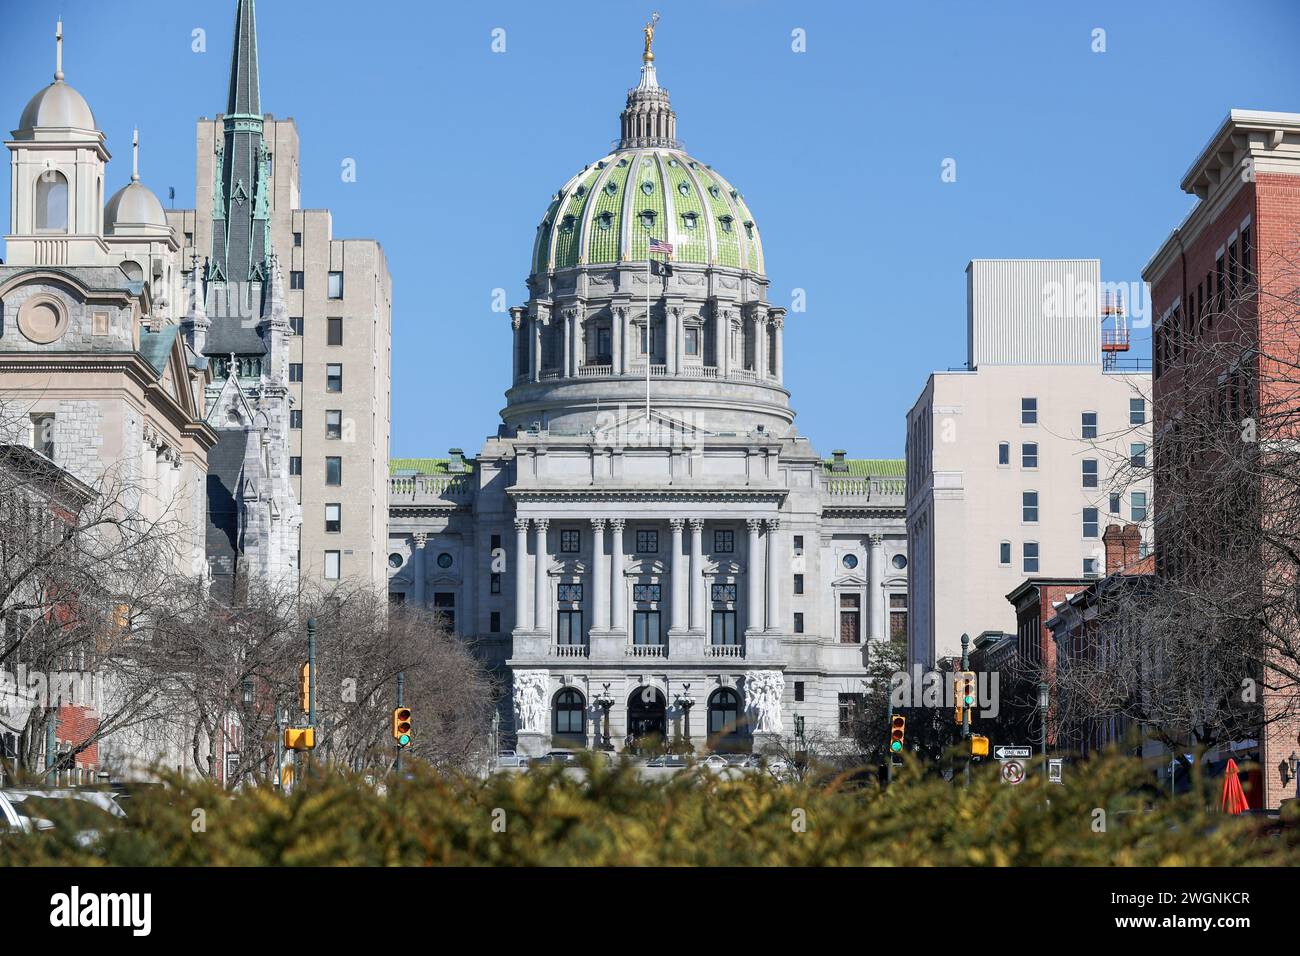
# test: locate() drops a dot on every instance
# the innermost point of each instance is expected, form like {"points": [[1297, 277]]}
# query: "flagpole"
{"points": [[649, 337]]}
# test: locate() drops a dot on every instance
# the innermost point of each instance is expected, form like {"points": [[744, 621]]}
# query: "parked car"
{"points": [[715, 762], [554, 757], [508, 758], [738, 760], [97, 809], [11, 821]]}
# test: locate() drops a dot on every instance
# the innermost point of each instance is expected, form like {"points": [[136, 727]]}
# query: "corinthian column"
{"points": [[417, 566], [696, 574], [599, 581], [774, 576], [753, 579], [876, 587], [618, 616], [778, 335], [679, 622], [521, 574], [541, 604]]}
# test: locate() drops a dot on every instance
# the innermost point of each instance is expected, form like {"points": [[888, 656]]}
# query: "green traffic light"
{"points": [[969, 700], [896, 746], [404, 739]]}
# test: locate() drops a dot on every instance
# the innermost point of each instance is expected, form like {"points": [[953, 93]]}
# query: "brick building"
{"points": [[1216, 284]]}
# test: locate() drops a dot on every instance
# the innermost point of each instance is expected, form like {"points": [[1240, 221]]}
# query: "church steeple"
{"points": [[245, 96], [241, 195]]}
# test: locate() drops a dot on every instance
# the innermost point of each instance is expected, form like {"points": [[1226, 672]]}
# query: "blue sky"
{"points": [[1060, 152]]}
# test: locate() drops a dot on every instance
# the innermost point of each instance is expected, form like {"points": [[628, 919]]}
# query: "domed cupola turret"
{"points": [[57, 106], [707, 339], [134, 209]]}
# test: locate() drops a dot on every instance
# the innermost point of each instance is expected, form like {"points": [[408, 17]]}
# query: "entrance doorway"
{"points": [[647, 721]]}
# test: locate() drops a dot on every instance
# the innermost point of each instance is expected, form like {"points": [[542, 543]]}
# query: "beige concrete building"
{"points": [[339, 299], [1016, 463]]}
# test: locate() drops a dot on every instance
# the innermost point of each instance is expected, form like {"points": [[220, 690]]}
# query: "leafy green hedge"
{"points": [[609, 816]]}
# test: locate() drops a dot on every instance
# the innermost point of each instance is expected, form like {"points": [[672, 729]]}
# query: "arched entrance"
{"points": [[728, 725], [647, 720]]}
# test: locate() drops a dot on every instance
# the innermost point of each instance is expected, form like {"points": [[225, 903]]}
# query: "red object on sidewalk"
{"points": [[1234, 798]]}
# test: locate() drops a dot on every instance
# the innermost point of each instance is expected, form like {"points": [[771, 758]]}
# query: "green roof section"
{"points": [[425, 466], [869, 467], [647, 188], [567, 241], [724, 219], [607, 213], [691, 230], [156, 346]]}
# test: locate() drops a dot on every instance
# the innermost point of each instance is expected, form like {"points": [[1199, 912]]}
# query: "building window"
{"points": [[295, 465], [1090, 523], [850, 561], [43, 435], [1089, 424], [445, 560], [1090, 473], [333, 378], [1004, 553], [798, 544], [798, 622], [1029, 507], [1004, 453], [295, 324], [569, 593], [1029, 411], [1029, 454], [723, 629], [798, 584], [1138, 506], [1137, 411], [692, 341], [647, 542], [334, 331], [798, 692], [444, 605], [570, 714], [336, 285], [850, 708], [647, 593], [333, 563], [297, 238], [568, 629], [295, 371], [333, 423], [333, 518], [850, 615], [494, 586], [645, 627], [295, 418], [1089, 567], [333, 470], [1116, 505], [1137, 454], [570, 540], [494, 542], [898, 617], [724, 542], [1031, 557], [295, 280], [725, 713], [494, 622], [51, 202], [723, 593]]}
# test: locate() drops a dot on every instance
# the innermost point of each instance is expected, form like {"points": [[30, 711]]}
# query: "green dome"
{"points": [[601, 214]]}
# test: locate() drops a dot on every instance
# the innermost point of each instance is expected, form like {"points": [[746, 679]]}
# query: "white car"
{"points": [[30, 806], [508, 758], [714, 762]]}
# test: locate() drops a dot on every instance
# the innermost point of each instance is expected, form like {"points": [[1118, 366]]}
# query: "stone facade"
{"points": [[656, 543]]}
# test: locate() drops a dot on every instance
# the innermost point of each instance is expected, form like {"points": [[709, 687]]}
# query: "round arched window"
{"points": [[445, 559], [395, 561], [900, 561], [850, 561], [570, 713]]}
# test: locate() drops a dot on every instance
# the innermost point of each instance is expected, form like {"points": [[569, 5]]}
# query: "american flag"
{"points": [[658, 245]]}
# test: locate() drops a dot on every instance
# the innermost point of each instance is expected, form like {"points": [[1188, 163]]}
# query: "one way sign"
{"points": [[1013, 753]]}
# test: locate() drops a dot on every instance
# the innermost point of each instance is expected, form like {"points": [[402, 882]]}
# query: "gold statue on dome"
{"points": [[649, 32]]}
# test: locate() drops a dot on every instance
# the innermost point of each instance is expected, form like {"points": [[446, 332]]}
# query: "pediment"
{"points": [[568, 566], [724, 566], [849, 581], [657, 429], [643, 566]]}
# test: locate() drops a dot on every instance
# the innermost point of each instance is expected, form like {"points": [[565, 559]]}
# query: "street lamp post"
{"points": [[1043, 701], [965, 711], [686, 702], [605, 701]]}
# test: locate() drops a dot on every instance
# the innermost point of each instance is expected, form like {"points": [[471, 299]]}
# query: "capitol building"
{"points": [[647, 542]]}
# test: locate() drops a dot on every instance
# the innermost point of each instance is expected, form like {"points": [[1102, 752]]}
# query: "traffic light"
{"points": [[964, 692], [299, 738], [897, 728], [304, 689], [979, 746], [402, 726]]}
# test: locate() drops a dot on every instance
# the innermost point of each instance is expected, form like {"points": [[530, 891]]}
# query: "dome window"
{"points": [[611, 188], [689, 220], [684, 188], [605, 220], [566, 224], [648, 218], [726, 222], [672, 163], [581, 191], [623, 162], [715, 192], [749, 228], [647, 187]]}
